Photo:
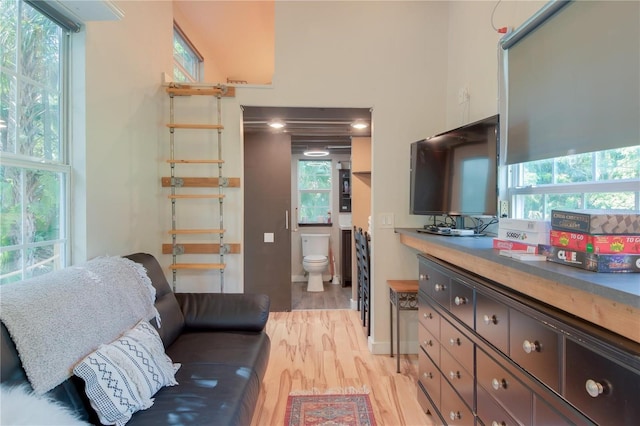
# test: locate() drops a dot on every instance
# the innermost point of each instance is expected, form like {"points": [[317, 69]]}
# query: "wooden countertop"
{"points": [[611, 301]]}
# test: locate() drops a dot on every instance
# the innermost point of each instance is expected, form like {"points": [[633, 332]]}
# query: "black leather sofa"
{"points": [[218, 338]]}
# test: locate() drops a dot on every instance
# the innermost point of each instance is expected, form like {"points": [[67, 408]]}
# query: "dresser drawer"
{"points": [[428, 408], [502, 386], [491, 413], [462, 302], [492, 321], [545, 414], [603, 389], [434, 283], [429, 344], [534, 346], [429, 377], [461, 379], [454, 411], [455, 342], [428, 316]]}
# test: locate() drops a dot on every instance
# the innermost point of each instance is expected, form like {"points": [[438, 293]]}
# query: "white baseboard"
{"points": [[383, 348]]}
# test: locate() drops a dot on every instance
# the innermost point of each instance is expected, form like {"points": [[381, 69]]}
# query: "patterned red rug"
{"points": [[329, 410]]}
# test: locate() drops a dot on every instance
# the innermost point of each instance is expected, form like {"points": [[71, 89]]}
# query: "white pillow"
{"points": [[113, 395], [20, 407], [121, 377], [141, 354]]}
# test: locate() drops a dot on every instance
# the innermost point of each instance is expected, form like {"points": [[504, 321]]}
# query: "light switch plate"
{"points": [[386, 220], [268, 237]]}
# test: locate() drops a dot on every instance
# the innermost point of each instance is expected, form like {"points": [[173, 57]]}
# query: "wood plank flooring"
{"points": [[323, 350], [334, 296]]}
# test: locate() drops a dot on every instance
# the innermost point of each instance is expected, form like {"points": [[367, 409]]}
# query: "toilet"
{"points": [[315, 258]]}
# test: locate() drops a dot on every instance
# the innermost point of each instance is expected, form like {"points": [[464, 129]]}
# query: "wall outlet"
{"points": [[504, 208]]}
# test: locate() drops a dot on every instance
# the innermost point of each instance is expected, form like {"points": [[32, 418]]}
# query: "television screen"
{"points": [[455, 172]]}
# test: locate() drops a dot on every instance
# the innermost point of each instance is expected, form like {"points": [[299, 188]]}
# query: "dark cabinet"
{"points": [[490, 356], [345, 190]]}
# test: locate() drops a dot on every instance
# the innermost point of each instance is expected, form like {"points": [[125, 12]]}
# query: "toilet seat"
{"points": [[315, 258]]}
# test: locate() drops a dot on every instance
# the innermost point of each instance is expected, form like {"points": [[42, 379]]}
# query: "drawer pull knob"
{"points": [[428, 315], [460, 300], [439, 287], [427, 375], [455, 341], [490, 319], [498, 384], [454, 375], [455, 415], [496, 423], [594, 389], [530, 347], [424, 277], [427, 343]]}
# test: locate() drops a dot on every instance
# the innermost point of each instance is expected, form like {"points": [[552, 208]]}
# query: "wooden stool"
{"points": [[404, 295]]}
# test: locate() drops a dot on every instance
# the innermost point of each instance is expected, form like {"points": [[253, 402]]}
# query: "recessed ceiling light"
{"points": [[276, 124], [359, 124], [316, 153]]}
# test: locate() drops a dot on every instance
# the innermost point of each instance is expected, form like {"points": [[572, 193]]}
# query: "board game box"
{"points": [[592, 261], [601, 244], [597, 222]]}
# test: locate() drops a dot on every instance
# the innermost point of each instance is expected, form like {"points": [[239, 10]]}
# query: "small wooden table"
{"points": [[404, 295]]}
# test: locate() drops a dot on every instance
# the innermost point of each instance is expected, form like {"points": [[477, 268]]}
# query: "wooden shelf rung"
{"points": [[185, 90], [195, 196], [195, 126], [195, 231], [200, 182], [213, 266], [201, 248], [195, 161]]}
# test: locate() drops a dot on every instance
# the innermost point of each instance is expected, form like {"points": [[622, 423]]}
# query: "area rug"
{"points": [[329, 410]]}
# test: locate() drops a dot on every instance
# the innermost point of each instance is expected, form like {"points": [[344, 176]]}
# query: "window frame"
{"points": [[516, 188], [301, 191], [60, 166], [194, 54]]}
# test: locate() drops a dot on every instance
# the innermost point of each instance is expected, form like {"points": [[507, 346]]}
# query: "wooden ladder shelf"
{"points": [[207, 185]]}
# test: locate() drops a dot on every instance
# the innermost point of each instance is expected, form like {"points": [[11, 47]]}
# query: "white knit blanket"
{"points": [[56, 319]]}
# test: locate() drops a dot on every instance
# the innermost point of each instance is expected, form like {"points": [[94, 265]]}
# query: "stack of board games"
{"points": [[521, 235], [595, 240]]}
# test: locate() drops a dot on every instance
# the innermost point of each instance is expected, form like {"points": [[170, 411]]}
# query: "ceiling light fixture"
{"points": [[359, 125], [316, 153], [276, 124]]}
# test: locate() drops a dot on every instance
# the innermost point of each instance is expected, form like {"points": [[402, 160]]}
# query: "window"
{"points": [[607, 179], [314, 191], [186, 58], [34, 172]]}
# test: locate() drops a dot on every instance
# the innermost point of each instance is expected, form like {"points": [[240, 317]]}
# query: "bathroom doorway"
{"points": [[320, 129]]}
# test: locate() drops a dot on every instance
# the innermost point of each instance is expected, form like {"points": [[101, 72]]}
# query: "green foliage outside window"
{"points": [[314, 189], [32, 175], [600, 180]]}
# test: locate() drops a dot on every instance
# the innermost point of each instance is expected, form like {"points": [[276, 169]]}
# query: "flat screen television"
{"points": [[455, 173]]}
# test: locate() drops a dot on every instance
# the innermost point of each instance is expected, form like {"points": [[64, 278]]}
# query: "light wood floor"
{"points": [[327, 349]]}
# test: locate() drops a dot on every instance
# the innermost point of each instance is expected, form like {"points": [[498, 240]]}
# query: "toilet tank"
{"points": [[315, 244]]}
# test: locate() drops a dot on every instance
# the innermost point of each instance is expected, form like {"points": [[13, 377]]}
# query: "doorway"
{"points": [[328, 129]]}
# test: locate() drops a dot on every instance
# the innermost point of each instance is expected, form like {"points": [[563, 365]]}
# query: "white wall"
{"points": [[124, 106], [473, 55]]}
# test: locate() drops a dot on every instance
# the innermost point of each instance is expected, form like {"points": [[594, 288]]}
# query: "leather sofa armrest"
{"points": [[215, 311]]}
